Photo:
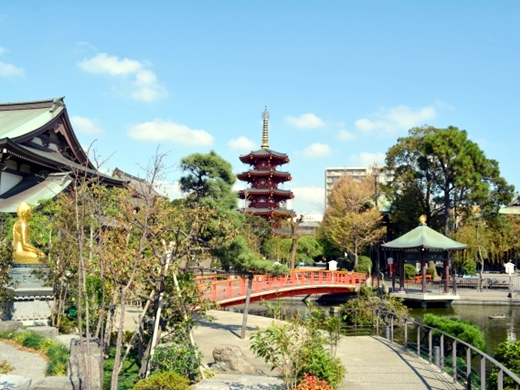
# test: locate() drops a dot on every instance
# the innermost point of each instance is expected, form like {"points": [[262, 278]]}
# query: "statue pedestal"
{"points": [[32, 301]]}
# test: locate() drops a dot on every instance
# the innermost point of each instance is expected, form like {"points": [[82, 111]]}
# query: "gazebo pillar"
{"points": [[401, 271], [446, 272], [423, 270]]}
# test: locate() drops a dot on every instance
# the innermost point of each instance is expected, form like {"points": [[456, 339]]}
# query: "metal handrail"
{"points": [[455, 341]]}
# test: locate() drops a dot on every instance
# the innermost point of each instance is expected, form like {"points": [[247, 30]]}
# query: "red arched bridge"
{"points": [[232, 290]]}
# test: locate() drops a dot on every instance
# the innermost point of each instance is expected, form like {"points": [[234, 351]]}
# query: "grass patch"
{"points": [[5, 368], [56, 354], [128, 376]]}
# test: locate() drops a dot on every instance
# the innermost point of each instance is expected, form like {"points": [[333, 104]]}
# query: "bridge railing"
{"points": [[236, 285], [430, 343]]}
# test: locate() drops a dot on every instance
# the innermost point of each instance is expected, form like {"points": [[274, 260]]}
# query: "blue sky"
{"points": [[342, 79]]}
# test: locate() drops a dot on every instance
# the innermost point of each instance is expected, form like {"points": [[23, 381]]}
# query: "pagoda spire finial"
{"points": [[265, 131]]}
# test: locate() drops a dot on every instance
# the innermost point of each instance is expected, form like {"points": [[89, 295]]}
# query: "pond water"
{"points": [[495, 330]]}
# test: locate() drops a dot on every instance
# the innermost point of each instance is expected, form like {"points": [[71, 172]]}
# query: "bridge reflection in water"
{"points": [[229, 290]]}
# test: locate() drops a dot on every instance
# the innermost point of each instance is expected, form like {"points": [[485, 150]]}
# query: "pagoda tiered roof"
{"points": [[285, 194], [267, 211], [264, 198], [245, 176], [263, 154]]}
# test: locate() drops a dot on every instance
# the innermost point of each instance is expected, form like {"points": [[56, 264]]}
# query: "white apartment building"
{"points": [[333, 174]]}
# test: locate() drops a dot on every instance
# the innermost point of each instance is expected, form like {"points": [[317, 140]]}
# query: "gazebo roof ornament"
{"points": [[423, 238]]}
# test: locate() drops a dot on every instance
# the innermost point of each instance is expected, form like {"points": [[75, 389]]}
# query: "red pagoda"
{"points": [[263, 198]]}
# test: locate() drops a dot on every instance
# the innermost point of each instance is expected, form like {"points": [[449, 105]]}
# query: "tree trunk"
{"points": [[294, 248], [246, 307], [447, 210], [119, 342]]}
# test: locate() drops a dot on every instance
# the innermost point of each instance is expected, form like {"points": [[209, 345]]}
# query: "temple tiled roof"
{"points": [[54, 160], [34, 189], [17, 119], [39, 134]]}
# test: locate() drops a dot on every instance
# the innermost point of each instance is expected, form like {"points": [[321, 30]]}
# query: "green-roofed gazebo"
{"points": [[429, 244]]}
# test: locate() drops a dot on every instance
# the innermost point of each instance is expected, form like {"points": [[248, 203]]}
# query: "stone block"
{"points": [[14, 382], [46, 331], [56, 383], [10, 325], [66, 339], [75, 370], [33, 300], [233, 357]]}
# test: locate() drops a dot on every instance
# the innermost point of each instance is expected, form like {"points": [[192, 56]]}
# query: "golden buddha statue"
{"points": [[24, 252]]}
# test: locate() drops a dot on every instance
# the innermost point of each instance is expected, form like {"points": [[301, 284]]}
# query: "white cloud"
{"points": [[443, 105], [345, 135], [305, 121], [242, 144], [307, 199], [85, 125], [397, 118], [145, 86], [365, 159], [103, 63], [317, 150], [9, 70], [160, 130], [239, 186], [171, 190]]}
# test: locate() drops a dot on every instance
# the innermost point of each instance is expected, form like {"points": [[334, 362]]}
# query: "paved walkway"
{"points": [[470, 296], [26, 364], [371, 362]]}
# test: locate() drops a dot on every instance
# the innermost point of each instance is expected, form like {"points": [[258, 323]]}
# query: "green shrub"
{"points": [[469, 267], [364, 265], [464, 330], [363, 307], [33, 340], [7, 334], [295, 348], [319, 363], [182, 359], [163, 381], [430, 271], [507, 353], [58, 357], [67, 325], [409, 271]]}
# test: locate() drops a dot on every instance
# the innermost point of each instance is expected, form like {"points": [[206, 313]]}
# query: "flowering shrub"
{"points": [[310, 382]]}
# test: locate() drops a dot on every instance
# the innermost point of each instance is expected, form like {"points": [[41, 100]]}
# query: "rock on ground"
{"points": [[56, 383], [46, 331], [14, 382], [233, 357], [10, 325]]}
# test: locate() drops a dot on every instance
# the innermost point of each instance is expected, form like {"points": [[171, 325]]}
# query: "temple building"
{"points": [[39, 153], [263, 197]]}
